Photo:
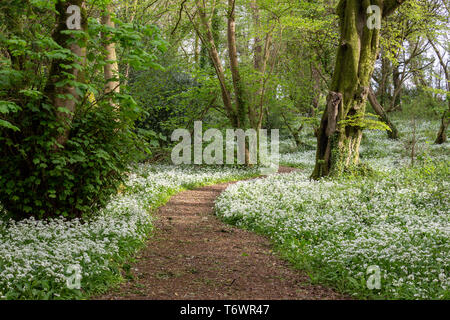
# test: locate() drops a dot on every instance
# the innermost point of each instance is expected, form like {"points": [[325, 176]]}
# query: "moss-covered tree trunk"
{"points": [[442, 133], [338, 143], [205, 61]]}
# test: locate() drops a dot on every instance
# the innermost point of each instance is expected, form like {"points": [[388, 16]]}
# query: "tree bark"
{"points": [[261, 56], [315, 74], [238, 86], [337, 143], [209, 44], [131, 19], [397, 82], [111, 68], [240, 99], [196, 50], [65, 98], [382, 92], [442, 133]]}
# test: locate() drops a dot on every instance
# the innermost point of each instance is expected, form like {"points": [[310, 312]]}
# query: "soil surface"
{"points": [[193, 255]]}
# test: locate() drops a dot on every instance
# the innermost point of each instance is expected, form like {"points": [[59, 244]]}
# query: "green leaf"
{"points": [[8, 125], [7, 107]]}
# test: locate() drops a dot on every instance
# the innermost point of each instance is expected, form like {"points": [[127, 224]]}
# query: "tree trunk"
{"points": [[208, 44], [315, 102], [294, 132], [260, 59], [238, 86], [379, 110], [196, 50], [382, 92], [65, 98], [205, 61], [442, 133], [111, 68], [396, 98], [338, 143], [240, 99]]}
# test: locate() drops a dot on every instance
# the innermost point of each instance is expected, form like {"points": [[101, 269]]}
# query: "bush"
{"points": [[38, 176], [37, 180]]}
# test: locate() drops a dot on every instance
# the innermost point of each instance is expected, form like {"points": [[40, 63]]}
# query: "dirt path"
{"points": [[193, 255]]}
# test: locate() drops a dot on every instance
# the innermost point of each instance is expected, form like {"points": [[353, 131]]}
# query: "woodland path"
{"points": [[193, 255]]}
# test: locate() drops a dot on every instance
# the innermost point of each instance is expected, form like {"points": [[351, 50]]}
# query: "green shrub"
{"points": [[38, 176], [36, 180]]}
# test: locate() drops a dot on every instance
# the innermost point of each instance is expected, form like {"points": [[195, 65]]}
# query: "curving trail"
{"points": [[193, 255]]}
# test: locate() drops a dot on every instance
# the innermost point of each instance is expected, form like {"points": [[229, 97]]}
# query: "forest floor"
{"points": [[193, 255]]}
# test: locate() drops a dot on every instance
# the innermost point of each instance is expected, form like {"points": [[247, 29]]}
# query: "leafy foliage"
{"points": [[38, 176], [366, 121]]}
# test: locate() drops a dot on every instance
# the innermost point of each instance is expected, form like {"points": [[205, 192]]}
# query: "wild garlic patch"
{"points": [[398, 220], [35, 256], [376, 149], [339, 228]]}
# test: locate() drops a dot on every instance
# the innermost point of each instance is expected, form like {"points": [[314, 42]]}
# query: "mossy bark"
{"points": [[442, 134], [338, 144], [205, 62]]}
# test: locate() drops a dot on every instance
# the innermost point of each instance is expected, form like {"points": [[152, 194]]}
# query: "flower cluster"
{"points": [[339, 228], [397, 220], [35, 256], [377, 150]]}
